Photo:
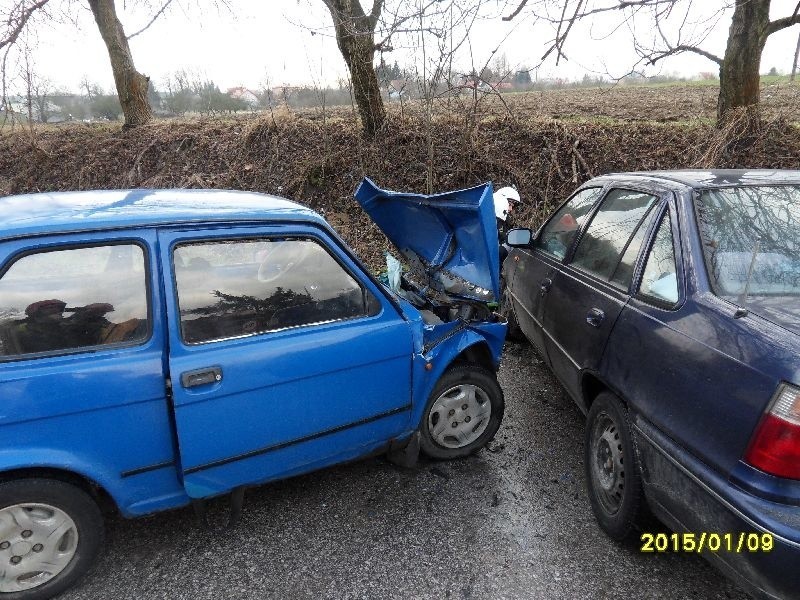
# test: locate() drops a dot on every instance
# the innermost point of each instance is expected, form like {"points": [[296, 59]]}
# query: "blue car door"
{"points": [[284, 357]]}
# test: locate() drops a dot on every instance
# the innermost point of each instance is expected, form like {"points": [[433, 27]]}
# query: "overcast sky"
{"points": [[272, 40]]}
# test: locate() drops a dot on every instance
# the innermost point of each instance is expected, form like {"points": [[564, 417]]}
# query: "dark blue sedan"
{"points": [[668, 304]]}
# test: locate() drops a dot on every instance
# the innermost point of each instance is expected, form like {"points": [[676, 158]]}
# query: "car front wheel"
{"points": [[50, 534], [463, 413], [612, 471]]}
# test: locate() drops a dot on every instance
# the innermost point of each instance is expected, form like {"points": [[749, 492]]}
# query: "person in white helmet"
{"points": [[504, 200]]}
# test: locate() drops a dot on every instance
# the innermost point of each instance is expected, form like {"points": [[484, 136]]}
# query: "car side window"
{"points": [[559, 232], [624, 271], [236, 288], [66, 300], [660, 279], [608, 235]]}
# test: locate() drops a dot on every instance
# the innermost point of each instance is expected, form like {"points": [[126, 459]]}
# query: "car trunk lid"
{"points": [[781, 310]]}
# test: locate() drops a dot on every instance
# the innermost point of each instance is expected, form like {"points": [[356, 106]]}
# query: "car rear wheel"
{"points": [[50, 534], [612, 470], [463, 414]]}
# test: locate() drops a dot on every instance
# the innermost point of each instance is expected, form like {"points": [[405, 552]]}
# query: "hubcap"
{"points": [[608, 463], [459, 416], [37, 542]]}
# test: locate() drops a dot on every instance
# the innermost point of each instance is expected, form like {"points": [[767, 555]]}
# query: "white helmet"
{"points": [[502, 201]]}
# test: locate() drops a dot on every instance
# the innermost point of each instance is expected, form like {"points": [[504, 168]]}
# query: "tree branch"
{"points": [[394, 27], [17, 23], [785, 22], [657, 56], [375, 14], [620, 5], [560, 39], [153, 20], [517, 11]]}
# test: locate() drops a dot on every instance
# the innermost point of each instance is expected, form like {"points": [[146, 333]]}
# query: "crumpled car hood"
{"points": [[449, 239]]}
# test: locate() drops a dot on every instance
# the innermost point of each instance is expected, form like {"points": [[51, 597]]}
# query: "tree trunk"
{"points": [[739, 78], [355, 37], [359, 53], [131, 85], [796, 55]]}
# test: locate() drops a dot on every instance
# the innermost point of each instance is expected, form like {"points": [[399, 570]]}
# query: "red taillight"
{"points": [[775, 447]]}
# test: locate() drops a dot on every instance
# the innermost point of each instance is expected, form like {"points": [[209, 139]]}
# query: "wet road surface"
{"points": [[512, 521]]}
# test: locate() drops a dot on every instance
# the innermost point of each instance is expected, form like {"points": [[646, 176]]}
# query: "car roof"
{"points": [[63, 212], [715, 178]]}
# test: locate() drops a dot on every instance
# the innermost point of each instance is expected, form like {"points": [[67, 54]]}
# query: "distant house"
{"points": [[502, 86], [477, 84], [247, 96], [472, 82]]}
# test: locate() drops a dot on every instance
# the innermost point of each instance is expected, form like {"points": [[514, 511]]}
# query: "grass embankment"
{"points": [[319, 162]]}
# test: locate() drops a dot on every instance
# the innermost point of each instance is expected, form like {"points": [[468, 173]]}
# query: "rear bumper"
{"points": [[688, 496]]}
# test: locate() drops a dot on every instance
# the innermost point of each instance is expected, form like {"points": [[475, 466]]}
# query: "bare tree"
{"points": [[131, 85], [355, 36], [360, 35], [27, 77], [17, 17], [13, 22], [36, 89], [796, 56], [102, 105], [739, 78], [180, 94], [739, 67], [501, 67], [441, 32]]}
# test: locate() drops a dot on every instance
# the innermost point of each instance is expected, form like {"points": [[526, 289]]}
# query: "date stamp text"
{"points": [[707, 541]]}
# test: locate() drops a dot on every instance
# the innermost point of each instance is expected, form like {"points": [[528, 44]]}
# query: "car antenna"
{"points": [[742, 311]]}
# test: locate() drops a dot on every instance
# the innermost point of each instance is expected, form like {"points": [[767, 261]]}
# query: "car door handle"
{"points": [[595, 317], [202, 376], [545, 284]]}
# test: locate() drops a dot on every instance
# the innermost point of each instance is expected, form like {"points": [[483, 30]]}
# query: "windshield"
{"points": [[751, 240]]}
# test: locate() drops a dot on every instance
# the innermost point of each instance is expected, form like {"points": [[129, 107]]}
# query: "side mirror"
{"points": [[519, 238]]}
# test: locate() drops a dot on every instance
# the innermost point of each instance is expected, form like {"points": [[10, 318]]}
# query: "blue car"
{"points": [[159, 347], [668, 305]]}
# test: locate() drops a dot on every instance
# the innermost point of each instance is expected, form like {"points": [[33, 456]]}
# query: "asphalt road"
{"points": [[512, 521]]}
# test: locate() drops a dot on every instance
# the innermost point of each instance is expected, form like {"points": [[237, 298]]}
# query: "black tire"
{"points": [[613, 478], [84, 512], [459, 375]]}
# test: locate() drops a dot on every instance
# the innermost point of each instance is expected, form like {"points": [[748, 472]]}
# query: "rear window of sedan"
{"points": [[751, 239]]}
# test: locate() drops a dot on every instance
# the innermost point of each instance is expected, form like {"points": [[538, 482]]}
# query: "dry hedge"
{"points": [[319, 162]]}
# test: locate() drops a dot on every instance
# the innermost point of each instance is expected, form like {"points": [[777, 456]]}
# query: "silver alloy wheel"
{"points": [[37, 542], [459, 416], [608, 463]]}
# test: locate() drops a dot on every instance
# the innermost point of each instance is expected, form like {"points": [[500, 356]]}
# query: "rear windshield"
{"points": [[751, 240]]}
